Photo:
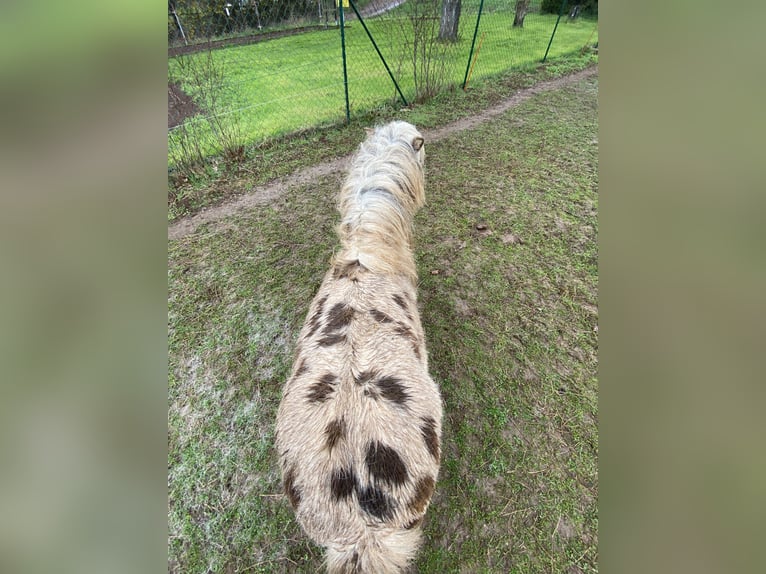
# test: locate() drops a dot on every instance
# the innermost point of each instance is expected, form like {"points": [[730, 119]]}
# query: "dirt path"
{"points": [[269, 192]]}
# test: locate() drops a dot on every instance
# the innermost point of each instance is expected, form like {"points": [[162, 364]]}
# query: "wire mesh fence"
{"points": [[244, 71]]}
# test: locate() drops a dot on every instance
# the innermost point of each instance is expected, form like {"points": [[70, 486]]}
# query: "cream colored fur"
{"points": [[359, 425]]}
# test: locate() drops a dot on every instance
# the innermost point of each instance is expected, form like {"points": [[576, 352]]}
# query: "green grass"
{"points": [[287, 84], [510, 314]]}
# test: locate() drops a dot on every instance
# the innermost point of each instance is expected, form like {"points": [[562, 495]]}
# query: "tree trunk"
{"points": [[521, 11], [449, 20]]}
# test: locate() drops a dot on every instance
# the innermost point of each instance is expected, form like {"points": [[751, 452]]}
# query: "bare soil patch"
{"points": [[180, 105]]}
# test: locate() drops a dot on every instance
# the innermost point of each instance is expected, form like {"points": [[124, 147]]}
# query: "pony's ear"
{"points": [[417, 143]]}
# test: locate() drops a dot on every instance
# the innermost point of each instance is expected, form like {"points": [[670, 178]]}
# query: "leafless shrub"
{"points": [[427, 54], [205, 78]]}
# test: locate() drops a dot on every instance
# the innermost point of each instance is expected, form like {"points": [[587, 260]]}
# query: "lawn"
{"points": [[507, 257], [283, 85]]}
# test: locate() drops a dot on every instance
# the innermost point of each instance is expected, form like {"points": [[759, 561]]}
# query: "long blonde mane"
{"points": [[382, 193]]}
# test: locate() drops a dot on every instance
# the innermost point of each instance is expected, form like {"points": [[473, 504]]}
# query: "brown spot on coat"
{"points": [[365, 377], [332, 339], [385, 464], [405, 331], [342, 483], [430, 437], [291, 490], [392, 389], [399, 300], [380, 317], [317, 316], [338, 317], [320, 391], [375, 502], [335, 431], [423, 492]]}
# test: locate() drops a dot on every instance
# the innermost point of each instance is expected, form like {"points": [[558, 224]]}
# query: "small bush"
{"points": [[206, 78]]}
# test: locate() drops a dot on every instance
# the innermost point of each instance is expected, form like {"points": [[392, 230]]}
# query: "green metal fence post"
{"points": [[382, 59], [343, 49], [561, 11], [473, 42]]}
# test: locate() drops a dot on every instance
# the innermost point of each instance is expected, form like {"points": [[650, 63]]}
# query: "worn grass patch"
{"points": [[507, 256]]}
